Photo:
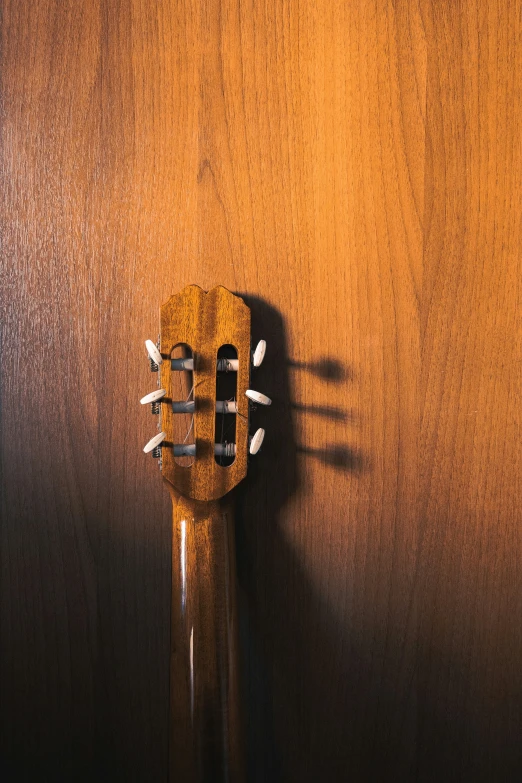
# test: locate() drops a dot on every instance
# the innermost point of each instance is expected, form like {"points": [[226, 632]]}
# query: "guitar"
{"points": [[203, 355]]}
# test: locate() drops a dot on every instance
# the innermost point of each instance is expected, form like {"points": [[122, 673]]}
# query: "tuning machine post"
{"points": [[189, 406], [223, 364], [220, 449], [154, 398]]}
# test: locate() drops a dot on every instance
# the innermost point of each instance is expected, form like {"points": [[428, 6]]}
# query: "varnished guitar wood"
{"points": [[206, 321], [353, 170], [205, 729], [205, 732]]}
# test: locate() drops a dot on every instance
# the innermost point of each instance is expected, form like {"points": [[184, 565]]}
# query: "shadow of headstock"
{"points": [[278, 603]]}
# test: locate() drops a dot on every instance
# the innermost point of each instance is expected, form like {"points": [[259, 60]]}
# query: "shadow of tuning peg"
{"points": [[339, 457], [325, 368], [327, 411]]}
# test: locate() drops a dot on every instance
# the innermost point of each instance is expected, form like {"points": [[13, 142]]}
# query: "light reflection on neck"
{"points": [[192, 674], [183, 564]]}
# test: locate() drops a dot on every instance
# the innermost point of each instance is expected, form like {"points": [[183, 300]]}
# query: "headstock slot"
{"points": [[205, 322], [182, 391], [226, 390]]}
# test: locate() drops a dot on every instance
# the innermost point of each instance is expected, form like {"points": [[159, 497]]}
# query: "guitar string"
{"points": [[223, 430], [190, 394], [222, 433]]}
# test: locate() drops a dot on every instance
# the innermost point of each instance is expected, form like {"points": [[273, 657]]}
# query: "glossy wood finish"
{"points": [[205, 732], [205, 322], [353, 170], [205, 723]]}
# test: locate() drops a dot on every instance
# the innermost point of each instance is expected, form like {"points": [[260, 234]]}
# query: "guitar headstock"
{"points": [[211, 331]]}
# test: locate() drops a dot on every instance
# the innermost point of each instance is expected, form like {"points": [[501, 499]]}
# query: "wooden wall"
{"points": [[354, 169]]}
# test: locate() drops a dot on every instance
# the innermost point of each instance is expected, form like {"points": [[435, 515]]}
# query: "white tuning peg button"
{"points": [[255, 396], [154, 396], [256, 441], [153, 352], [155, 441], [259, 353]]}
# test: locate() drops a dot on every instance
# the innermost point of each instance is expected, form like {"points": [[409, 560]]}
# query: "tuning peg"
{"points": [[256, 396], [259, 353], [154, 397], [256, 441], [154, 355], [154, 444]]}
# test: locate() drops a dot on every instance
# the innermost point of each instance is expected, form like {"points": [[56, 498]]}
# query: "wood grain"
{"points": [[205, 729], [352, 169], [471, 383], [205, 321]]}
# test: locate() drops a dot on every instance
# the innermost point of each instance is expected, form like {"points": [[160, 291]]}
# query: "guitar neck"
{"points": [[212, 330], [204, 690]]}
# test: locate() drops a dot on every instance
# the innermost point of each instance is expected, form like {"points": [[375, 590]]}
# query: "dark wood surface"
{"points": [[206, 727], [354, 170]]}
